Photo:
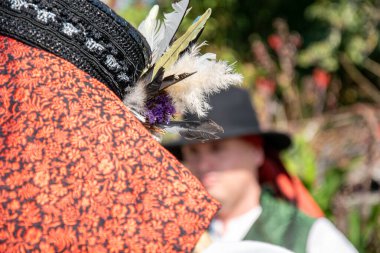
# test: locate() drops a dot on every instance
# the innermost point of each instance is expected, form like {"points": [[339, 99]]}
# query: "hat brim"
{"points": [[275, 140]]}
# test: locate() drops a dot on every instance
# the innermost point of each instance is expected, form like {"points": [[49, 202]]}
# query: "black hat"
{"points": [[86, 33], [232, 109]]}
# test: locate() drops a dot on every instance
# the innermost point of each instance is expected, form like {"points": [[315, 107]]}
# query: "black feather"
{"points": [[153, 87], [173, 79], [195, 130]]}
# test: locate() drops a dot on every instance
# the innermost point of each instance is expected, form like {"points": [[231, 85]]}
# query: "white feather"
{"points": [[190, 95], [172, 21], [153, 31], [136, 98]]}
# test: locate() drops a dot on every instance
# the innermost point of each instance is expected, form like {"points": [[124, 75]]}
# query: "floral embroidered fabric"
{"points": [[79, 173]]}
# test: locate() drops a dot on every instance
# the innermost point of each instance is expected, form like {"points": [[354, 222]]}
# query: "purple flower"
{"points": [[160, 109]]}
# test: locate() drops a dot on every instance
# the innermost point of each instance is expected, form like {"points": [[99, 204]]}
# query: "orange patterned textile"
{"points": [[79, 173]]}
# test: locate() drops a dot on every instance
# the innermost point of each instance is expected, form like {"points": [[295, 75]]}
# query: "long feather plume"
{"points": [[153, 31], [190, 95], [171, 55], [171, 23]]}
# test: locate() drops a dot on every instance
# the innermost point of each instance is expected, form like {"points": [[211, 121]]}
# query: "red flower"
{"points": [[275, 42], [321, 78], [266, 84]]}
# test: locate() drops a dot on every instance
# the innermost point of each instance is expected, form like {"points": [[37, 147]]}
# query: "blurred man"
{"points": [[260, 201]]}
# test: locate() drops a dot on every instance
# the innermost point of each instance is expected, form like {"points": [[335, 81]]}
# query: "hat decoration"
{"points": [[178, 78]]}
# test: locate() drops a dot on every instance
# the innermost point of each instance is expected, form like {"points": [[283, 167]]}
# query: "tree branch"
{"points": [[364, 84]]}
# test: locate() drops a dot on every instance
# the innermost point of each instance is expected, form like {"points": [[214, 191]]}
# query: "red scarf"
{"points": [[287, 186]]}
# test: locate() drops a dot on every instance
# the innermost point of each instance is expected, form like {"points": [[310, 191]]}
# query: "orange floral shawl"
{"points": [[79, 173]]}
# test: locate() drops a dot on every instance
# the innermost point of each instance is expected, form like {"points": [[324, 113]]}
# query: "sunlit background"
{"points": [[313, 68]]}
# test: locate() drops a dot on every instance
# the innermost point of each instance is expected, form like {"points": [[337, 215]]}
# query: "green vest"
{"points": [[282, 224]]}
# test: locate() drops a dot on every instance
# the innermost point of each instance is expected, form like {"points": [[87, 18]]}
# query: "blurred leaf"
{"points": [[322, 53], [325, 192], [354, 231], [300, 160]]}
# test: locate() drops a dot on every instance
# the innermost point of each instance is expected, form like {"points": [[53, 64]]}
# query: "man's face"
{"points": [[225, 167]]}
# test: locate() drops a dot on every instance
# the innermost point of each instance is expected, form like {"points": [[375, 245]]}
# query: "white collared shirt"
{"points": [[323, 236], [236, 228]]}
